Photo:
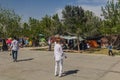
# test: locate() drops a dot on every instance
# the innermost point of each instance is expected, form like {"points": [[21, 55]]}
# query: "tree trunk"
{"points": [[78, 42]]}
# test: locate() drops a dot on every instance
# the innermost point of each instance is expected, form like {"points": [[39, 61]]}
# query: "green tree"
{"points": [[111, 23], [34, 27], [111, 13], [9, 22], [74, 19], [25, 30], [47, 25], [93, 24], [57, 25]]}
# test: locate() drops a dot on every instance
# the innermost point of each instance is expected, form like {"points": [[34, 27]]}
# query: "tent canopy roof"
{"points": [[71, 37]]}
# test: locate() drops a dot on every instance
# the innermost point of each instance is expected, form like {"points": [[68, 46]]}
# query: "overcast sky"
{"points": [[39, 8]]}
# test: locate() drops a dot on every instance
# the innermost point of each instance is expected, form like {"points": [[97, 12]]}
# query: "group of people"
{"points": [[12, 45], [5, 43], [59, 55]]}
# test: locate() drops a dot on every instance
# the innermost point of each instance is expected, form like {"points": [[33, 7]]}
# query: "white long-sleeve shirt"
{"points": [[58, 52]]}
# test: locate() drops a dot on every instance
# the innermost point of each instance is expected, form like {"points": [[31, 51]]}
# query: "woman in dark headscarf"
{"points": [[4, 45]]}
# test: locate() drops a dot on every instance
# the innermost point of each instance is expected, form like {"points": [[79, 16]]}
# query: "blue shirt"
{"points": [[110, 47]]}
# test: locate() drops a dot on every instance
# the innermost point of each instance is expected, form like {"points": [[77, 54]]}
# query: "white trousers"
{"points": [[59, 67]]}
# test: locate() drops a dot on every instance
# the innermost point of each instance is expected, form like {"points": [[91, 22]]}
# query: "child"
{"points": [[110, 52]]}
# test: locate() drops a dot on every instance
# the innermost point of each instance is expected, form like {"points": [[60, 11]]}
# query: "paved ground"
{"points": [[39, 65]]}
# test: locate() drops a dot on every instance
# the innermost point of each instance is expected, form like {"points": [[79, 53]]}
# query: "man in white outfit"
{"points": [[58, 55]]}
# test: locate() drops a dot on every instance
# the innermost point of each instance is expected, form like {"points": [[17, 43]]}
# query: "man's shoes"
{"points": [[56, 74], [60, 75], [14, 60]]}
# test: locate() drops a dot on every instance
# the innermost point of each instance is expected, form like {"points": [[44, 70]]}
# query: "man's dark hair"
{"points": [[14, 37]]}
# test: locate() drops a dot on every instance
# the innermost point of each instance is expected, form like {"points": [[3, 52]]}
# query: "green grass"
{"points": [[88, 51]]}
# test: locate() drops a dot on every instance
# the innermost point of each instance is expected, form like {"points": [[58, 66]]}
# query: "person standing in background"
{"points": [[4, 45], [110, 52], [49, 44], [14, 47]]}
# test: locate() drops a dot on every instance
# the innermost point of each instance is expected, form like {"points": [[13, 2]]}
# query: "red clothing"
{"points": [[9, 41]]}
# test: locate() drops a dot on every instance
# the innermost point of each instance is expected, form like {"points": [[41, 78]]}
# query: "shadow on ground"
{"points": [[29, 59], [70, 72]]}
